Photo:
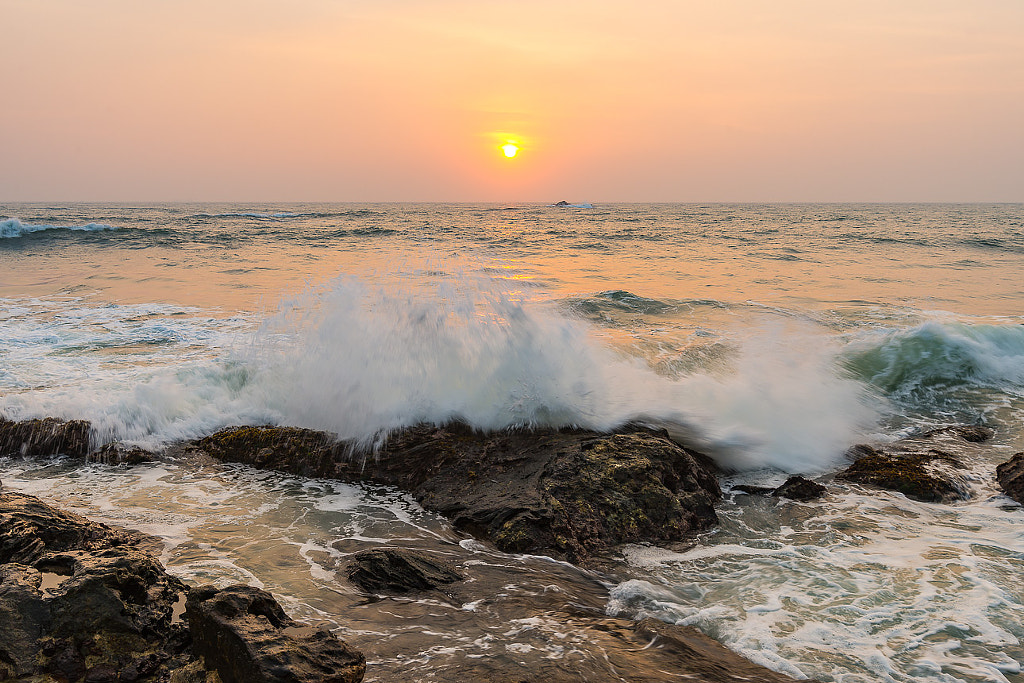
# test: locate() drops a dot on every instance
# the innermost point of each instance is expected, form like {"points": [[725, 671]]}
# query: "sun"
{"points": [[510, 149]]}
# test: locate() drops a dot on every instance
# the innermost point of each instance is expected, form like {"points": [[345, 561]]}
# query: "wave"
{"points": [[362, 360], [282, 215], [938, 364], [12, 227], [618, 299]]}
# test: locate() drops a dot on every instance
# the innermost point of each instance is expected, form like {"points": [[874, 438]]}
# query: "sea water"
{"points": [[772, 337]]}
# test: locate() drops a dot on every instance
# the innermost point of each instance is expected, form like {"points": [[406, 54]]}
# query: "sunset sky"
{"points": [[409, 100]]}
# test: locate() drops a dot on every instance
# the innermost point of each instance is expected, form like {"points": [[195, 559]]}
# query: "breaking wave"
{"points": [[361, 359], [916, 363], [12, 227]]}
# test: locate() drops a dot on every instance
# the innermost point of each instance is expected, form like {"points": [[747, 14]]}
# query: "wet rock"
{"points": [[969, 433], [701, 657], [570, 492], [245, 636], [929, 467], [752, 490], [799, 488], [80, 601], [23, 618], [116, 453], [399, 571], [29, 528], [48, 436], [1010, 476]]}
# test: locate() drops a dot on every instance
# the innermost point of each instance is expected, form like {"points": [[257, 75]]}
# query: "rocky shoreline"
{"points": [[80, 601]]}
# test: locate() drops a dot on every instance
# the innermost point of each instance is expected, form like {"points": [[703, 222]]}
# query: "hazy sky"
{"points": [[410, 100]]}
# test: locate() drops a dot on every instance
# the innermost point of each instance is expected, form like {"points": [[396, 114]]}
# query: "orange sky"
{"points": [[407, 100]]}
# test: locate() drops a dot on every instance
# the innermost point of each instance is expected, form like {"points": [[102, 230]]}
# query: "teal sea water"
{"points": [[771, 336]]}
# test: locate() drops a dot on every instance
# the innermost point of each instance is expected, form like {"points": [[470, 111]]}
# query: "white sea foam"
{"points": [[12, 227], [848, 588]]}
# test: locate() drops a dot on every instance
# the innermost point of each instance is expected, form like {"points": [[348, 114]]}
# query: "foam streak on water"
{"points": [[874, 585]]}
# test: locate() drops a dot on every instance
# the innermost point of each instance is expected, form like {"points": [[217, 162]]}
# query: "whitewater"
{"points": [[772, 337]]}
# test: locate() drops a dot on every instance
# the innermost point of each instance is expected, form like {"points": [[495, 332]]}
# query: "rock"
{"points": [[969, 433], [23, 617], [701, 657], [116, 453], [29, 528], [1010, 476], [398, 571], [245, 636], [571, 492], [113, 613], [928, 467], [753, 490], [799, 488], [80, 601], [48, 436]]}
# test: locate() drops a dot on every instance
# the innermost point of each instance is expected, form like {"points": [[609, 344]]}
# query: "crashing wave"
{"points": [[12, 227]]}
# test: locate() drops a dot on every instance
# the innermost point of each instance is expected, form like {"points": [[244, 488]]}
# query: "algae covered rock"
{"points": [[567, 491], [929, 467]]}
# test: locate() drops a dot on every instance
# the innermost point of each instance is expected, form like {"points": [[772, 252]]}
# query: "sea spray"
{"points": [[369, 359], [362, 357]]}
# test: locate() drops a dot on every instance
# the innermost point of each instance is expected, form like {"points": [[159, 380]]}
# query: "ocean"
{"points": [[772, 337]]}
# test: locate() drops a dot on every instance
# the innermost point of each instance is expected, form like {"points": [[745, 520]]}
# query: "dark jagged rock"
{"points": [[573, 492], [799, 488], [1010, 476], [83, 602], [48, 436], [928, 467], [112, 613], [245, 636], [753, 490], [80, 600], [24, 616], [398, 571]]}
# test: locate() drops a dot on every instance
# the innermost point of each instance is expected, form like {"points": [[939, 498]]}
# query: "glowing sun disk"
{"points": [[510, 150]]}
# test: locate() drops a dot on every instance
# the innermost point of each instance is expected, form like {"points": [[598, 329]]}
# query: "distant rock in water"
{"points": [[928, 467], [1010, 476], [571, 492], [399, 571], [566, 205]]}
